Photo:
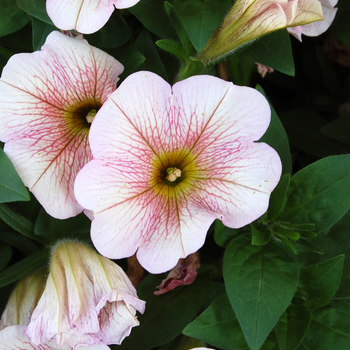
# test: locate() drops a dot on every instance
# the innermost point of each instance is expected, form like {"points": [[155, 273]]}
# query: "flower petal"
{"points": [[85, 16], [13, 338], [37, 91]]}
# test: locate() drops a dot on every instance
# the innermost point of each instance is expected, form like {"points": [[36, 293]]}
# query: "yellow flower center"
{"points": [[174, 172], [80, 115]]}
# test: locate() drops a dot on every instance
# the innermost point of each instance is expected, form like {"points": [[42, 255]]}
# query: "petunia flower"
{"points": [[48, 100], [184, 273], [169, 161], [88, 300], [250, 19], [18, 311], [319, 27], [85, 16]]}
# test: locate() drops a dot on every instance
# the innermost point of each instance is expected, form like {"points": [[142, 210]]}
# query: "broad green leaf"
{"points": [[260, 235], [180, 29], [260, 282], [201, 18], [277, 198], [320, 282], [329, 328], [338, 129], [341, 25], [340, 233], [223, 234], [303, 127], [292, 326], [276, 137], [218, 325], [11, 186], [52, 229], [18, 241], [332, 246], [35, 8], [241, 69], [22, 268], [5, 255], [166, 315], [319, 193], [145, 45], [40, 31], [151, 13], [16, 221], [114, 33], [12, 18], [130, 57], [273, 50], [270, 343]]}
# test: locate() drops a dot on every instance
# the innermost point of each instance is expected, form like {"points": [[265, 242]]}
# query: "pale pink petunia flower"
{"points": [[319, 27], [168, 161], [88, 300], [184, 273], [48, 100], [85, 16], [17, 314]]}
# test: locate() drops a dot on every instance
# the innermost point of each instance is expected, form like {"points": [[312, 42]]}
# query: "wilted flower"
{"points": [[17, 314], [263, 70], [48, 100], [169, 161], [184, 273], [87, 300], [135, 271], [250, 19], [319, 27], [85, 16]]}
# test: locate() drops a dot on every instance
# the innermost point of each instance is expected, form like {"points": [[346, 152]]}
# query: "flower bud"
{"points": [[250, 19]]}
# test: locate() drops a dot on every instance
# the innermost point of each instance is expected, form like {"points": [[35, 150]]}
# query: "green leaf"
{"points": [[319, 193], [218, 325], [145, 45], [340, 234], [5, 255], [16, 240], [52, 229], [223, 234], [292, 326], [329, 328], [130, 57], [16, 221], [273, 50], [40, 32], [166, 315], [12, 18], [260, 235], [338, 129], [260, 282], [35, 8], [114, 33], [241, 69], [277, 198], [22, 268], [173, 48], [276, 137], [180, 29], [303, 128], [151, 13], [320, 282], [201, 18], [11, 186]]}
